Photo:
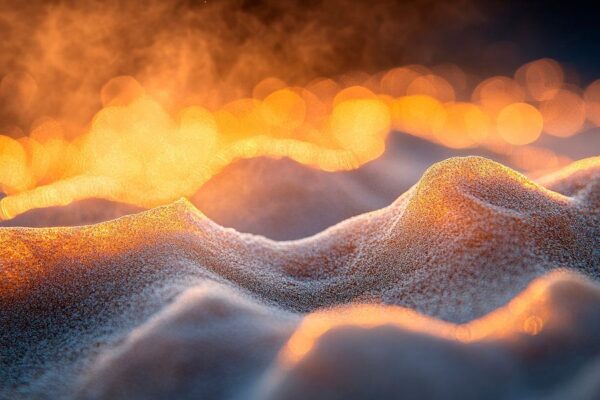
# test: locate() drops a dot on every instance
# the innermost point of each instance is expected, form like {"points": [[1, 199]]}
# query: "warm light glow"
{"points": [[465, 125], [432, 85], [137, 150], [495, 93], [524, 315], [592, 102], [519, 123], [541, 79], [564, 114], [418, 115]]}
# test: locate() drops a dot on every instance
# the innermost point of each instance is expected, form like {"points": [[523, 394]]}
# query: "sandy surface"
{"points": [[475, 283]]}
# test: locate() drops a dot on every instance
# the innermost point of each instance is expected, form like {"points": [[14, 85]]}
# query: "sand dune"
{"points": [[168, 304]]}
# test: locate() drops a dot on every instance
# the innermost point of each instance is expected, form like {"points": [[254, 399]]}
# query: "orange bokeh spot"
{"points": [[564, 114], [592, 102], [431, 85], [497, 92], [324, 89], [283, 110], [454, 75], [396, 81], [266, 87], [465, 125], [519, 123], [120, 91], [533, 325], [417, 115], [361, 126], [353, 93], [541, 78], [14, 174]]}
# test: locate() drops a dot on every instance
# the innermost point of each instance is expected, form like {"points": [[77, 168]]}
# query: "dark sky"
{"points": [[568, 31]]}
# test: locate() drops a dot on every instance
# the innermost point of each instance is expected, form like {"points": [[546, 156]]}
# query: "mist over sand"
{"points": [[186, 52]]}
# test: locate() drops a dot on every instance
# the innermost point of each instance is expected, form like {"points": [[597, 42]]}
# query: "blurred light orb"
{"points": [[519, 124], [432, 85], [465, 125], [495, 93], [542, 79], [564, 114], [592, 102]]}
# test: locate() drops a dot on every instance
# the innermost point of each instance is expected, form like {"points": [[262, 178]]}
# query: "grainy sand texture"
{"points": [[477, 282]]}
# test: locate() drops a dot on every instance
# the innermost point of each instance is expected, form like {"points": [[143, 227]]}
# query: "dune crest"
{"points": [[163, 303]]}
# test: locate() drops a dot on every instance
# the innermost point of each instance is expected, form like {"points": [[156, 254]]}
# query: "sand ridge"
{"points": [[167, 304]]}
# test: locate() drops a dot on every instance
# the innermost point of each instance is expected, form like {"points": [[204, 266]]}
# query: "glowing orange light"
{"points": [[497, 92], [418, 115], [592, 102], [542, 78], [137, 151], [396, 81], [519, 123], [465, 125], [564, 114], [432, 85], [525, 314]]}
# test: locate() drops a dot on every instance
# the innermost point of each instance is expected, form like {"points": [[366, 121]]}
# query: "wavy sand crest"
{"points": [[167, 304]]}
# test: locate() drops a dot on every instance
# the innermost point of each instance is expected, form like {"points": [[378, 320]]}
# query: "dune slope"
{"points": [[476, 279]]}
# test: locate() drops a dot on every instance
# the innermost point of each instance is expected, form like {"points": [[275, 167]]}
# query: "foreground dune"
{"points": [[477, 282]]}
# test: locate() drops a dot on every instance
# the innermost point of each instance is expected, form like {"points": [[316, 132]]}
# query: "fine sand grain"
{"points": [[475, 283]]}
